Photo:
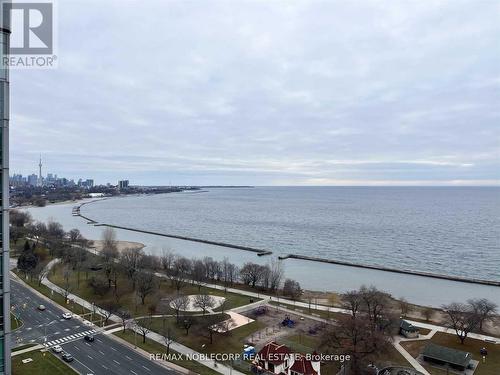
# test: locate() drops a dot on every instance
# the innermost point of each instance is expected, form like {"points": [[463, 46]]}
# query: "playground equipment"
{"points": [[287, 322]]}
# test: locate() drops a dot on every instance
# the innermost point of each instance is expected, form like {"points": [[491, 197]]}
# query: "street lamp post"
{"points": [[45, 330]]}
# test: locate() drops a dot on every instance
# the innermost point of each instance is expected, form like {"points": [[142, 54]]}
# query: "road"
{"points": [[103, 356]]}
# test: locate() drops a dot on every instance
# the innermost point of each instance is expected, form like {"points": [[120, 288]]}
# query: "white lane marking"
{"points": [[115, 361], [99, 340], [87, 344], [77, 348], [57, 333], [102, 352], [67, 329], [146, 368], [113, 349], [128, 357], [89, 356], [105, 367], [133, 372]]}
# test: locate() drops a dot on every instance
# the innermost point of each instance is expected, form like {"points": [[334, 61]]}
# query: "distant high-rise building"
{"points": [[5, 335], [33, 180], [89, 183], [123, 184]]}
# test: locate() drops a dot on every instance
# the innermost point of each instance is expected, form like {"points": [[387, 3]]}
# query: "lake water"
{"points": [[455, 231]]}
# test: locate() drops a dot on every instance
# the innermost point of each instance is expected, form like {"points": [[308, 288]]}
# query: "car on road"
{"points": [[41, 307], [57, 349], [67, 315], [67, 357], [89, 338]]}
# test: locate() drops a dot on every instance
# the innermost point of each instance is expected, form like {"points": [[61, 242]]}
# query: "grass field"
{"points": [[199, 338], [153, 347], [491, 367], [129, 300], [14, 322], [41, 364]]}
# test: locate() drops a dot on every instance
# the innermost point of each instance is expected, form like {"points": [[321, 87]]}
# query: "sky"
{"points": [[265, 93]]}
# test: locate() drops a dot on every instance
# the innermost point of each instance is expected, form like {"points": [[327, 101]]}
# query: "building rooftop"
{"points": [[448, 355], [407, 326], [398, 371]]}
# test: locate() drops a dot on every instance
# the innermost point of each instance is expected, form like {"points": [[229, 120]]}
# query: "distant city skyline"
{"points": [[266, 93]]}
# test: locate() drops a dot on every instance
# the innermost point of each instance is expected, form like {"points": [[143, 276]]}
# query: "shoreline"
{"points": [[263, 252]]}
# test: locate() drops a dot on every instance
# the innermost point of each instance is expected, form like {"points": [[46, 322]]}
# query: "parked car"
{"points": [[41, 307], [89, 338], [67, 315], [57, 349], [67, 357]]}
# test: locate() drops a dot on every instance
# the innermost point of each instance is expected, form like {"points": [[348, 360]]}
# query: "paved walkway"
{"points": [[30, 349]]}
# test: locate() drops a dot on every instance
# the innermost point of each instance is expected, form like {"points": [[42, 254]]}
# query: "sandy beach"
{"points": [[121, 245]]}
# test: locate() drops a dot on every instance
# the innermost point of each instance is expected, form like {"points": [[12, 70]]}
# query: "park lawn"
{"points": [[491, 367], [14, 322], [199, 338], [153, 347], [129, 299], [42, 364]]}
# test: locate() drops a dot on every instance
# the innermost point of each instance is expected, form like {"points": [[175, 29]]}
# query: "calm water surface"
{"points": [[455, 231]]}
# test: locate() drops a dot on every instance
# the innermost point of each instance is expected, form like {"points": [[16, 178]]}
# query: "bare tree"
{"points": [[130, 259], [187, 322], [204, 302], [354, 336], [179, 304], [462, 318], [66, 283], [167, 260], [376, 304], [124, 316], [484, 309], [109, 243], [198, 273], [41, 272], [276, 273], [404, 306], [74, 236], [144, 327], [428, 313], [107, 309], [181, 270], [99, 285], [352, 301], [168, 334], [252, 273], [55, 230], [292, 289], [145, 285]]}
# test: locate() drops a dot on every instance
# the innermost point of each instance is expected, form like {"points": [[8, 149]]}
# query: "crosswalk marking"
{"points": [[69, 338]]}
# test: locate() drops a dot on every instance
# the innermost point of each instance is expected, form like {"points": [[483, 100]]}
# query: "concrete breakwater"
{"points": [[263, 252], [259, 252], [394, 270]]}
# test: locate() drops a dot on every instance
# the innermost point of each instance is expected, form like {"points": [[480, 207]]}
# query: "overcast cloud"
{"points": [[266, 93]]}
